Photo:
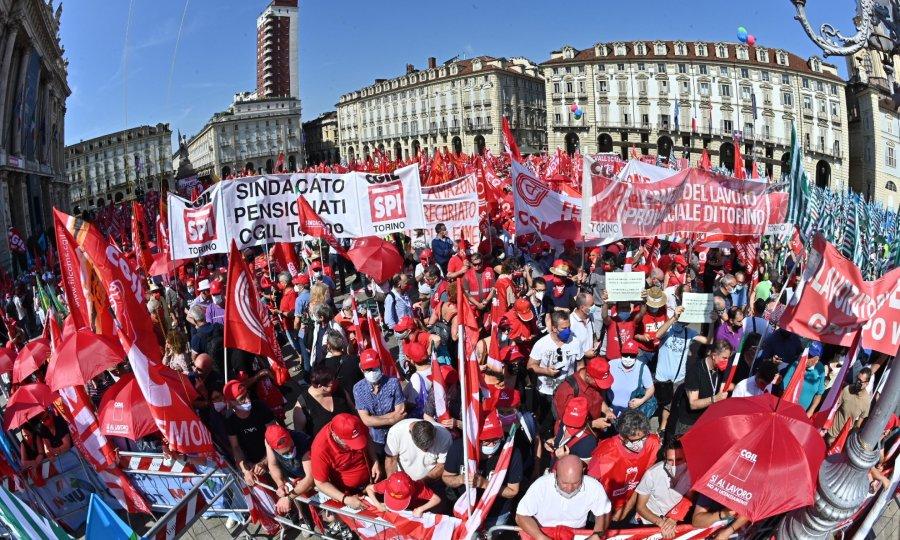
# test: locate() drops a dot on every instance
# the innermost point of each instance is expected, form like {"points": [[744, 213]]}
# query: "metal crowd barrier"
{"points": [[174, 523]]}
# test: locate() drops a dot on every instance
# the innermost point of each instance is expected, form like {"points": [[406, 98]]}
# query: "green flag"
{"points": [[25, 522], [799, 184]]}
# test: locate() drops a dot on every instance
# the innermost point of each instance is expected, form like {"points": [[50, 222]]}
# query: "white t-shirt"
{"points": [[414, 462], [659, 486], [749, 388], [544, 503], [562, 357], [583, 331]]}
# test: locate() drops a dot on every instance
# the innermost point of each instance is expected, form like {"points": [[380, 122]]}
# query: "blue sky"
{"points": [[346, 44]]}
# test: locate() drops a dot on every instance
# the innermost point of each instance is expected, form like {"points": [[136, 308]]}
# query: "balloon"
{"points": [[742, 34], [578, 114], [573, 107], [751, 39], [579, 110]]}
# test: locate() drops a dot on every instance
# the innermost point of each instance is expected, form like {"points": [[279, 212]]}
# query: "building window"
{"points": [[837, 148], [721, 52], [704, 89], [807, 103], [557, 118], [641, 66], [685, 87], [890, 157], [890, 186], [679, 49], [664, 86], [787, 99], [785, 78], [725, 90], [819, 86], [704, 70], [621, 85], [568, 87], [556, 88], [745, 93], [620, 67], [834, 110], [642, 87], [601, 86], [723, 71], [682, 68], [580, 87], [727, 126], [833, 89], [764, 75], [645, 119], [822, 108], [660, 68], [805, 82], [745, 73]]}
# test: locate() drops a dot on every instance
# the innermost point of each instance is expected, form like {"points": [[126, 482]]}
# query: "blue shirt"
{"points": [[302, 302], [674, 346], [396, 306], [783, 344], [385, 401], [442, 249], [813, 383], [625, 381], [739, 298]]}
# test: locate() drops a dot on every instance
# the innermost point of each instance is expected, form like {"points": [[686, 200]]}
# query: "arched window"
{"points": [[890, 186]]}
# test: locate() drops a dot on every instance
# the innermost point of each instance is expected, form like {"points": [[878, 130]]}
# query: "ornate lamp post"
{"points": [[843, 478]]}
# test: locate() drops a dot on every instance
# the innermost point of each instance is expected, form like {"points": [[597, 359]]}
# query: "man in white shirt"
{"points": [[761, 383], [418, 448], [554, 357], [564, 498], [661, 492], [582, 323]]}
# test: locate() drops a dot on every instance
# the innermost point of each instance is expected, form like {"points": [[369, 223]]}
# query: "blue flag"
{"points": [[103, 523]]}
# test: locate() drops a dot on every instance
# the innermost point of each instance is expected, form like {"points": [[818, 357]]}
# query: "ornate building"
{"points": [[874, 130], [648, 94], [119, 166], [457, 105], [278, 50], [33, 92], [321, 139], [249, 135]]}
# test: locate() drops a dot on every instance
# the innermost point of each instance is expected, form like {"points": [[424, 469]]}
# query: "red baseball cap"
{"points": [[399, 491], [679, 259], [415, 352], [426, 254], [233, 389], [279, 438], [491, 428], [630, 349], [535, 249], [368, 359], [215, 287], [576, 412], [508, 398], [303, 279], [522, 306], [316, 265], [598, 369], [405, 323], [350, 430], [298, 279]]}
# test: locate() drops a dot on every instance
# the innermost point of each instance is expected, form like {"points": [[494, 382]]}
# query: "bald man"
{"points": [[565, 498], [205, 380]]}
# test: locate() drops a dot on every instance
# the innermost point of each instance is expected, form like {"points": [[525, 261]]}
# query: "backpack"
{"points": [[570, 380], [441, 328]]}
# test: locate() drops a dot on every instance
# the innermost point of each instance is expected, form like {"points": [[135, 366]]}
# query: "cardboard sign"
{"points": [[624, 286], [698, 308]]}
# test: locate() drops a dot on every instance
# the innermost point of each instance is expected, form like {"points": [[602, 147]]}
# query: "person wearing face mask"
{"points": [[320, 274], [619, 462], [204, 297], [536, 297], [379, 399], [582, 324], [246, 430], [621, 327], [553, 358], [478, 284], [320, 401], [396, 302], [507, 290], [508, 403], [592, 382], [703, 386], [205, 380], [761, 383], [289, 464], [491, 438], [648, 322], [724, 288], [215, 312], [732, 329], [561, 288], [740, 296], [662, 493], [419, 385], [677, 273], [574, 435], [343, 460], [442, 246], [628, 374], [564, 498], [855, 402], [813, 378]]}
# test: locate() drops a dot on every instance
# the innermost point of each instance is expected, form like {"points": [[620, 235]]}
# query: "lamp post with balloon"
{"points": [[843, 478]]}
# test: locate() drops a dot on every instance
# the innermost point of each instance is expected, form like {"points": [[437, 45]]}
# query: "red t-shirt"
{"points": [[619, 469], [564, 393], [421, 493], [455, 264], [348, 470], [619, 335], [288, 302], [503, 285], [650, 323]]}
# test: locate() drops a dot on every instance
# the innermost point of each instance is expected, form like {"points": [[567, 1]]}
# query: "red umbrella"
{"points": [[68, 326], [81, 357], [124, 412], [33, 355], [28, 401], [7, 358], [565, 229], [376, 258], [742, 451], [163, 266]]}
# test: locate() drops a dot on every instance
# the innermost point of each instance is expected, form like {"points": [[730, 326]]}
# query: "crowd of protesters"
{"points": [[600, 392]]}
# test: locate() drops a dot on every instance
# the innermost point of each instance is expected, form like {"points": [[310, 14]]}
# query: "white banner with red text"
{"points": [[259, 210], [455, 204]]}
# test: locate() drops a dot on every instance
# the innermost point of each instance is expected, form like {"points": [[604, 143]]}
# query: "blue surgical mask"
{"points": [[565, 334], [624, 316]]}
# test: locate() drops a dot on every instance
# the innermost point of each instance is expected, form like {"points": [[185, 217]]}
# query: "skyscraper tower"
{"points": [[278, 50]]}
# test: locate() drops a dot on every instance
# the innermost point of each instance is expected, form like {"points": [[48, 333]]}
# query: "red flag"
{"points": [[388, 366], [693, 124], [279, 163], [470, 379], [15, 240], [705, 163], [509, 142], [287, 257], [838, 445], [162, 229], [245, 315], [439, 388], [754, 172], [795, 386], [139, 236], [739, 172], [73, 282], [309, 222], [174, 417]]}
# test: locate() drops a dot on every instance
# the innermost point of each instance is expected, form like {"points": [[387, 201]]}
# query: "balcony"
{"points": [[472, 127]]}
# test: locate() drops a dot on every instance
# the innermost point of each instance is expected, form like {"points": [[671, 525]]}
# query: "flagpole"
{"points": [[461, 353]]}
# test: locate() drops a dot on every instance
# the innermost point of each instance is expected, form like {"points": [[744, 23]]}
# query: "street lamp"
{"points": [[843, 478]]}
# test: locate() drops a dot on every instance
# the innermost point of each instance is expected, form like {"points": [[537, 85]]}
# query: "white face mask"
{"points": [[564, 494], [539, 295], [628, 361], [317, 274], [219, 406], [245, 407], [297, 288], [372, 376], [634, 446], [218, 298], [674, 470], [489, 449]]}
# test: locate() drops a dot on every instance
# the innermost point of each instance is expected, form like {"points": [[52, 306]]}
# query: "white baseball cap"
{"points": [[204, 285]]}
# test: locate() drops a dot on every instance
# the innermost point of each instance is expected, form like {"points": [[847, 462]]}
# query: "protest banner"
{"points": [[455, 204], [698, 307], [638, 172], [690, 201], [259, 210], [607, 164], [624, 286], [833, 302], [536, 205]]}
